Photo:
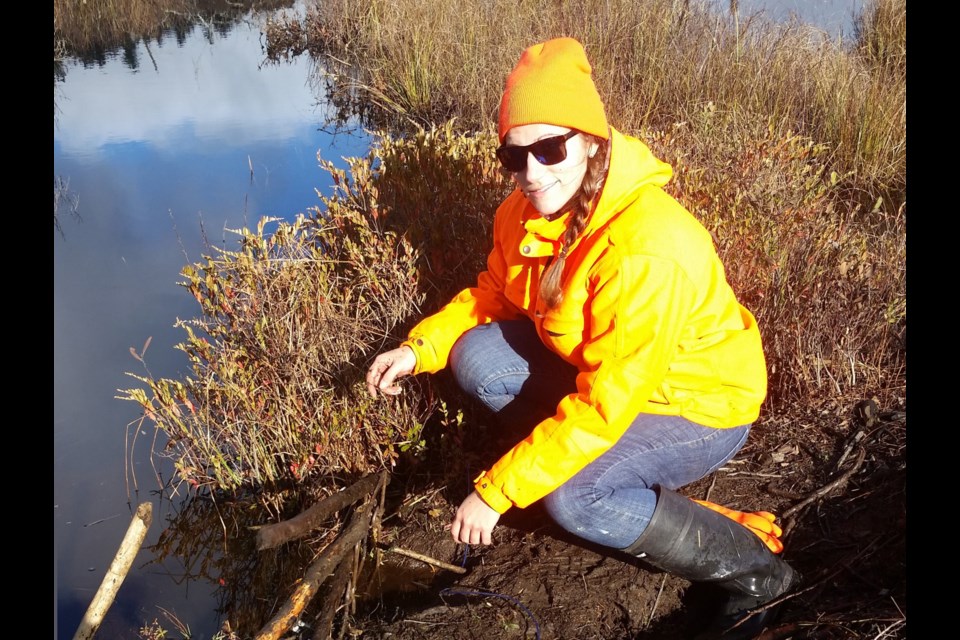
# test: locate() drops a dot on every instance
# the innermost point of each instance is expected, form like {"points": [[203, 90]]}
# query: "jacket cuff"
{"points": [[492, 495], [424, 351]]}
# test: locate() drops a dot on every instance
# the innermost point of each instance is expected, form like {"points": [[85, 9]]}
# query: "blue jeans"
{"points": [[610, 501]]}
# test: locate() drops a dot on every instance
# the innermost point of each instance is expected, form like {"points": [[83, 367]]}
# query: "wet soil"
{"points": [[836, 479]]}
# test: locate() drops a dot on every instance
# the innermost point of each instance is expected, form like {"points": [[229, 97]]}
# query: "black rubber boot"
{"points": [[701, 545]]}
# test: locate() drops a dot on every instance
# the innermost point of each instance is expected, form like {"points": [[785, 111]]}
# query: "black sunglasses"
{"points": [[547, 151]]}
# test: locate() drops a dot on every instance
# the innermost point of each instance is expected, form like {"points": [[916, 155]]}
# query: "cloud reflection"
{"points": [[221, 92]]}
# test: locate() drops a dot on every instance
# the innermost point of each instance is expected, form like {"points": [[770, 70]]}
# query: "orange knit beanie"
{"points": [[551, 84]]}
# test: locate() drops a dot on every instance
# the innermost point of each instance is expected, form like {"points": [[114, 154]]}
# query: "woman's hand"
{"points": [[474, 521], [387, 367]]}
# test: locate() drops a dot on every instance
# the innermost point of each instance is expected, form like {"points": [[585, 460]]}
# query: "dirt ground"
{"points": [[836, 478]]}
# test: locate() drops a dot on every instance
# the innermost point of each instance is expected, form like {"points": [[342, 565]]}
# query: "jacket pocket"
{"points": [[562, 335]]}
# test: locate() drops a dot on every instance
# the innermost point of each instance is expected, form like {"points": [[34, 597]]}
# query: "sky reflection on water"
{"points": [[154, 156]]}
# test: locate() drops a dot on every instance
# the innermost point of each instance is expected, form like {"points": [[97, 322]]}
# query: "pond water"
{"points": [[200, 138], [162, 150], [835, 17]]}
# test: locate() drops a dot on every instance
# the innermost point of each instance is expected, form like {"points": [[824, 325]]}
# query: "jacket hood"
{"points": [[632, 167]]}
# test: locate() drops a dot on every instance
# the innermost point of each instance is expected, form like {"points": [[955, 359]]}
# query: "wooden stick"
{"points": [[335, 596], [663, 581], [822, 491], [427, 559], [118, 570]]}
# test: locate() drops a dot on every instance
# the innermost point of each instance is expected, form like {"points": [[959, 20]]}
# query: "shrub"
{"points": [[277, 356], [291, 318]]}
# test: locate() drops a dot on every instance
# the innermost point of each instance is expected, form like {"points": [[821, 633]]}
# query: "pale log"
{"points": [[117, 572]]}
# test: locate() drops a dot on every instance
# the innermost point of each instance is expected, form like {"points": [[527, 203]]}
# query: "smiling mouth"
{"points": [[540, 190]]}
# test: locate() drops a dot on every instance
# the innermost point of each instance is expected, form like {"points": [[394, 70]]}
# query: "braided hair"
{"points": [[581, 204]]}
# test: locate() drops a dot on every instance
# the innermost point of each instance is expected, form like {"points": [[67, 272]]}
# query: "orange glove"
{"points": [[759, 522]]}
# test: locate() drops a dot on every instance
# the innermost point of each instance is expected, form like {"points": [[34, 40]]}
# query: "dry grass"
{"points": [[89, 28], [656, 63], [881, 35], [82, 27]]}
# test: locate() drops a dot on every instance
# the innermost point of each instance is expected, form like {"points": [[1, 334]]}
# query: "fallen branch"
{"points": [[824, 490], [317, 573], [117, 572], [273, 535], [328, 609]]}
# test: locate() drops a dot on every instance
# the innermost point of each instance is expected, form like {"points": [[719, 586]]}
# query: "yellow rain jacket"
{"points": [[647, 317]]}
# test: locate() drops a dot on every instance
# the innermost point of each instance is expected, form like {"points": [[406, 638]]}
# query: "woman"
{"points": [[604, 312]]}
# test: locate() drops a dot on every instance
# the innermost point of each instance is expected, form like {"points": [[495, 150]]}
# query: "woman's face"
{"points": [[549, 187]]}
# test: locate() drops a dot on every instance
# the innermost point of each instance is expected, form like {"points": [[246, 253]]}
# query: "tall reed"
{"points": [[656, 62], [85, 27], [881, 31], [80, 26]]}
